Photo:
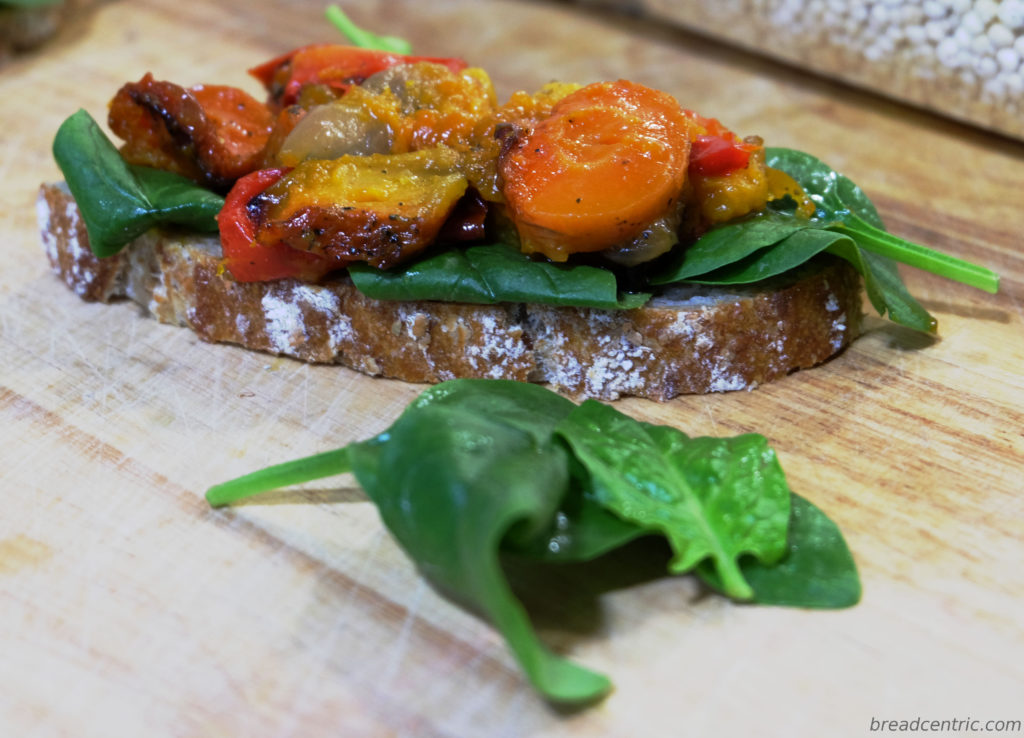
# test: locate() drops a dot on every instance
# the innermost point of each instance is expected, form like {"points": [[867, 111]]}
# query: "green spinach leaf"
{"points": [[790, 252], [119, 201], [835, 195], [494, 273], [817, 570], [882, 282], [712, 498], [453, 486], [477, 469], [845, 224], [884, 287], [737, 243], [843, 206], [467, 470]]}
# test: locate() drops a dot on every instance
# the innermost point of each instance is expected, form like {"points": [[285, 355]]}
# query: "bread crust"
{"points": [[688, 340]]}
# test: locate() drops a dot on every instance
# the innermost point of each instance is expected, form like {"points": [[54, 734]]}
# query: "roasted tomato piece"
{"points": [[249, 261], [337, 67], [210, 133], [611, 159], [380, 209]]}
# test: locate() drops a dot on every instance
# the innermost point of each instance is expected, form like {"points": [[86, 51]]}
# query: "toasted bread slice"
{"points": [[689, 339]]}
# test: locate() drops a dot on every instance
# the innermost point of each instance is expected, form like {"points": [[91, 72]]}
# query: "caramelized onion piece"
{"points": [[402, 108], [655, 240], [341, 128]]}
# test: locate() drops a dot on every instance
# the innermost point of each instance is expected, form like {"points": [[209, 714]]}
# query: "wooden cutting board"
{"points": [[128, 608]]}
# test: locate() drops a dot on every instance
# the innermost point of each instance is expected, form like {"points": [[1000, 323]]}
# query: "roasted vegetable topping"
{"points": [[404, 108], [210, 133], [336, 67], [364, 158], [609, 160], [738, 192], [380, 209], [249, 261]]}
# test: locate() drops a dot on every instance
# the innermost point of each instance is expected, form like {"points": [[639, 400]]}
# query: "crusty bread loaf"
{"points": [[689, 340]]}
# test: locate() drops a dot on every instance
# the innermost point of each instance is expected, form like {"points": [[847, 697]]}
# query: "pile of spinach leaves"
{"points": [[477, 470], [120, 201]]}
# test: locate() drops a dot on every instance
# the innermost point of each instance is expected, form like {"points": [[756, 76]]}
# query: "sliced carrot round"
{"points": [[610, 160]]}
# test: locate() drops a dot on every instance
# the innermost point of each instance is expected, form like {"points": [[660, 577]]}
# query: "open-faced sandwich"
{"points": [[387, 212]]}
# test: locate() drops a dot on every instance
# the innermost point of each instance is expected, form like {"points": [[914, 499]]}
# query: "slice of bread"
{"points": [[690, 339]]}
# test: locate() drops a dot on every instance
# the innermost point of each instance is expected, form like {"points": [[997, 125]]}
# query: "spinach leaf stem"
{"points": [[326, 464], [885, 244], [363, 38]]}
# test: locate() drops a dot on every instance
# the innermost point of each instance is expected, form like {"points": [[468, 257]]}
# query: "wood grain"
{"points": [[129, 608]]}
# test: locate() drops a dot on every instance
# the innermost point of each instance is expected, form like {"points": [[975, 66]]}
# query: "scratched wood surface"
{"points": [[128, 608]]}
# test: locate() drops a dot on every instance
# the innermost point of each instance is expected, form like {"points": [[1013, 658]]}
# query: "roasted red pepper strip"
{"points": [[248, 261], [713, 156], [338, 67], [718, 151]]}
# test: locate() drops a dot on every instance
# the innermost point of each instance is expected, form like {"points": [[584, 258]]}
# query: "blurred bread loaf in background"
{"points": [[961, 58], [24, 25]]}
